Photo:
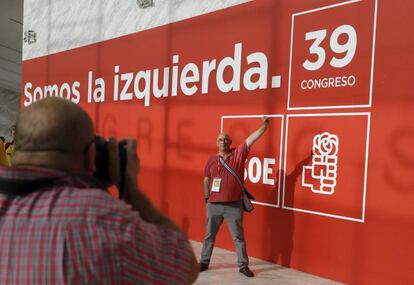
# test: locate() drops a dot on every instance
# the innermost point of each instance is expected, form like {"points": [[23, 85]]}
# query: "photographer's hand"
{"points": [[114, 169], [132, 160]]}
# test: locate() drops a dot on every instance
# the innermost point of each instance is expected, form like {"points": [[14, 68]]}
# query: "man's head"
{"points": [[223, 142], [55, 133]]}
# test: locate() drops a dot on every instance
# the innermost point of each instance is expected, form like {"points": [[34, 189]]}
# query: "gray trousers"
{"points": [[232, 212]]}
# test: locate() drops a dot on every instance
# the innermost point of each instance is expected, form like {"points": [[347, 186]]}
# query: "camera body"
{"points": [[102, 164]]}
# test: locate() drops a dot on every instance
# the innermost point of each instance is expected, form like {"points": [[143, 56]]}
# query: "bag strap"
{"points": [[232, 172]]}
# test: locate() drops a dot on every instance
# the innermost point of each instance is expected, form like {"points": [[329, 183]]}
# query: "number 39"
{"points": [[349, 47]]}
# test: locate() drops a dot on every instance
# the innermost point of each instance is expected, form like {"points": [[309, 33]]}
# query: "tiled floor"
{"points": [[223, 270]]}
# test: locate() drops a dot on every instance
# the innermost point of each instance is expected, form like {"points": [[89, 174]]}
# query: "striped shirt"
{"points": [[70, 233]]}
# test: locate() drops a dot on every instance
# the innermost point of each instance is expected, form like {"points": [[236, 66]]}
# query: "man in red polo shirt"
{"points": [[223, 196]]}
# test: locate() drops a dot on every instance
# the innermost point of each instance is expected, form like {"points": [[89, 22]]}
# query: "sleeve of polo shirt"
{"points": [[207, 172], [155, 255], [242, 151]]}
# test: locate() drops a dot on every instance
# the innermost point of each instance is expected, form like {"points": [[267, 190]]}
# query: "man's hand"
{"points": [[206, 185], [114, 169], [132, 160], [265, 121]]}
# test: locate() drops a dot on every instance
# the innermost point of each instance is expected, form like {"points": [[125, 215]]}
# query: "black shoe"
{"points": [[246, 271], [203, 267]]}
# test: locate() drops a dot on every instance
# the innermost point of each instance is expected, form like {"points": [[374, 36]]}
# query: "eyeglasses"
{"points": [[223, 140]]}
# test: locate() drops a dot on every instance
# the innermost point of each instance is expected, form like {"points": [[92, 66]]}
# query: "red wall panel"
{"points": [[362, 232]]}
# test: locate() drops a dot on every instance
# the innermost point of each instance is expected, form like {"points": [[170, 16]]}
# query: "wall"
{"points": [[333, 174]]}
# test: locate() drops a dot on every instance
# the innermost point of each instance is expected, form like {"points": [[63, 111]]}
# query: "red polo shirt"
{"points": [[229, 187]]}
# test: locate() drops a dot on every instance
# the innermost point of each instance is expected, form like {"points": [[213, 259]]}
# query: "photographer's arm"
{"points": [[135, 197]]}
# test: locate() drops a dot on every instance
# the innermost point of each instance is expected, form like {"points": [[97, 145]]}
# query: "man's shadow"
{"points": [[282, 223]]}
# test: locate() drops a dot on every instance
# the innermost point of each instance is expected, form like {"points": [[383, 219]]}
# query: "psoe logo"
{"points": [[323, 171]]}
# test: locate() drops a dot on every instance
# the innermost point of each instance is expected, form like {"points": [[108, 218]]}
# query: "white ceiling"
{"points": [[11, 39]]}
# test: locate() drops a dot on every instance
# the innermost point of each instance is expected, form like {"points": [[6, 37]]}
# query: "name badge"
{"points": [[215, 186]]}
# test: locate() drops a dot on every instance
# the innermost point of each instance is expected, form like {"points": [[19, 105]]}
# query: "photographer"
{"points": [[58, 226]]}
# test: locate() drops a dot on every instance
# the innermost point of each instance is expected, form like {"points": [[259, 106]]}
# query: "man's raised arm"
{"points": [[257, 133]]}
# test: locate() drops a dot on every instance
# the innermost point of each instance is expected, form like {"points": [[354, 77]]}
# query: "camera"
{"points": [[102, 164]]}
